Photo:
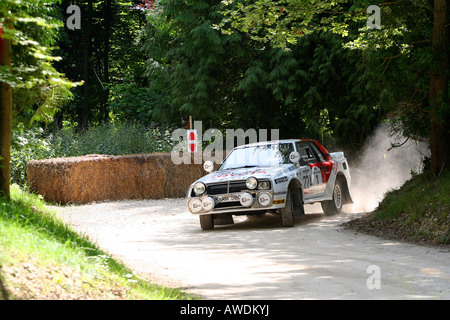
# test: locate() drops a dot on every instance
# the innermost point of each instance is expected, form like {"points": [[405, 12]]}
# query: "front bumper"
{"points": [[235, 202]]}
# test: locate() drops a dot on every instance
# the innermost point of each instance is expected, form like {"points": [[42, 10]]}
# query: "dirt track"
{"points": [[258, 258]]}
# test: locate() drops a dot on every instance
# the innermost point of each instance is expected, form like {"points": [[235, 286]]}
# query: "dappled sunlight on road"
{"points": [[257, 258]]}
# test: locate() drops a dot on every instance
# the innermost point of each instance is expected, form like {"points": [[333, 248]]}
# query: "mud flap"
{"points": [[347, 198], [222, 219]]}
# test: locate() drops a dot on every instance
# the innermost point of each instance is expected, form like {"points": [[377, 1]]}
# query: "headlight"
{"points": [[199, 188], [251, 183], [264, 185]]}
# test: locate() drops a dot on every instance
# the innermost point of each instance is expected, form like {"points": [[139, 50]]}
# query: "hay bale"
{"points": [[100, 177]]}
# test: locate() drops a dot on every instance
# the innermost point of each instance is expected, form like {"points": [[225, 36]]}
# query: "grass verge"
{"points": [[418, 212], [42, 258]]}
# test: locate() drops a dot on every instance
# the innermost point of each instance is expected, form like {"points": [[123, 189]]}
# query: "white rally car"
{"points": [[274, 176]]}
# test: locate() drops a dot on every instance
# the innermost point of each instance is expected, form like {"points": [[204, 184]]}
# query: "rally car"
{"points": [[274, 176]]}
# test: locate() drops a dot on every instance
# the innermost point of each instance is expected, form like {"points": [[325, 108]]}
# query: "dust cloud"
{"points": [[378, 170]]}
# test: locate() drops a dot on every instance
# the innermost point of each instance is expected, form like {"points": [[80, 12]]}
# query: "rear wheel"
{"points": [[334, 206], [207, 222]]}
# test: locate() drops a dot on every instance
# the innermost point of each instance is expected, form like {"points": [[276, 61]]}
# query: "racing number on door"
{"points": [[312, 178], [316, 176], [306, 181]]}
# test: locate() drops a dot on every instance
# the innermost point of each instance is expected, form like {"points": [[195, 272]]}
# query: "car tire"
{"points": [[334, 206], [287, 213], [207, 221]]}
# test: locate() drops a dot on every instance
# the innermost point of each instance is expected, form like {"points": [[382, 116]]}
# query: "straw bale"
{"points": [[101, 177]]}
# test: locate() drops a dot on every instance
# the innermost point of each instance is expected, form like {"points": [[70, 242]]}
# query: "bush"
{"points": [[110, 139], [27, 145]]}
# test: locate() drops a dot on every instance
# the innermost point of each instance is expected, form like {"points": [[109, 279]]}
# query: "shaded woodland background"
{"points": [[137, 69]]}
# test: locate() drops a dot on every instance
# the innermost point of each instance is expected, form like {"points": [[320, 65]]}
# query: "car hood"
{"points": [[244, 173]]}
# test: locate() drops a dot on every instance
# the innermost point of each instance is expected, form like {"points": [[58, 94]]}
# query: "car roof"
{"points": [[262, 143]]}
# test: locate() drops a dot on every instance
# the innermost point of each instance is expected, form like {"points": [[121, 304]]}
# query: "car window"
{"points": [[317, 152], [285, 150], [260, 155], [303, 148]]}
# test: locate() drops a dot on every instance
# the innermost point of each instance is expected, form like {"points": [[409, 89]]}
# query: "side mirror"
{"points": [[208, 166]]}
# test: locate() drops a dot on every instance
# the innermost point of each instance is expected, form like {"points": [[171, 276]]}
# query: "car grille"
{"points": [[226, 188]]}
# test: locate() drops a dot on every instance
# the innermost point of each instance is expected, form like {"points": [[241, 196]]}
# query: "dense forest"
{"points": [[118, 75]]}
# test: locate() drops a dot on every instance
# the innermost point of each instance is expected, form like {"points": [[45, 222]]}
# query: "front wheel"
{"points": [[334, 206], [293, 207]]}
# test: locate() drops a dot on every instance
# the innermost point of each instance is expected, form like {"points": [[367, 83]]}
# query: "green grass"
{"points": [[419, 211], [418, 197], [42, 258]]}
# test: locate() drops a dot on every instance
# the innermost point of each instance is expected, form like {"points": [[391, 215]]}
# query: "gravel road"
{"points": [[258, 258]]}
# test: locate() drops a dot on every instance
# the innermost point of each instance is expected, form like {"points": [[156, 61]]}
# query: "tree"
{"points": [[5, 116], [196, 66], [26, 70], [107, 7], [233, 80], [284, 22], [439, 95], [102, 53]]}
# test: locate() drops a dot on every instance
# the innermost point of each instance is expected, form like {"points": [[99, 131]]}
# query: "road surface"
{"points": [[258, 258]]}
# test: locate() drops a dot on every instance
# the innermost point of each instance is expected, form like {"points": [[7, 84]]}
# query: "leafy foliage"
{"points": [[110, 139], [130, 101], [246, 64], [39, 89], [283, 23], [399, 52], [27, 145], [106, 54], [230, 80]]}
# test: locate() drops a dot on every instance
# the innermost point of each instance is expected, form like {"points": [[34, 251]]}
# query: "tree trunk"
{"points": [[107, 13], [440, 122], [5, 118], [83, 113]]}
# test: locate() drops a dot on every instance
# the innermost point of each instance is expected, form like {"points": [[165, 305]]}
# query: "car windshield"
{"points": [[258, 156]]}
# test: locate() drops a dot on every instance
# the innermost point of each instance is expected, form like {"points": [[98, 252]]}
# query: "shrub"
{"points": [[27, 145]]}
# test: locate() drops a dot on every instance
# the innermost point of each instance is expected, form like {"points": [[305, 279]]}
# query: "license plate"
{"points": [[229, 198]]}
